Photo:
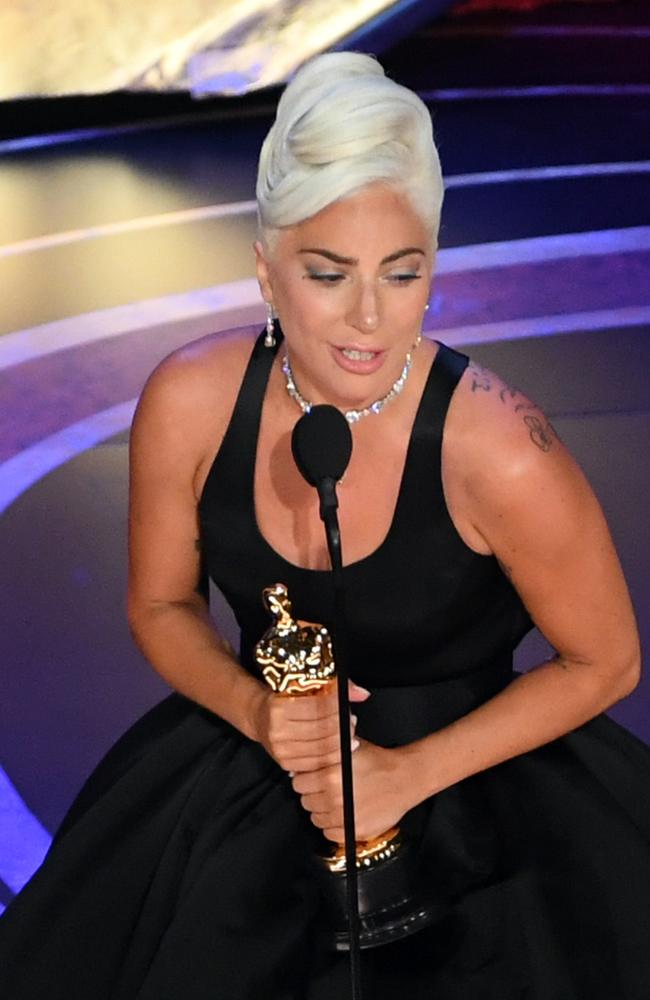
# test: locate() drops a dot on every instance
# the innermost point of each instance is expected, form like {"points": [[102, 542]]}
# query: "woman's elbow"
{"points": [[141, 614], [623, 673], [608, 679], [135, 609], [630, 673]]}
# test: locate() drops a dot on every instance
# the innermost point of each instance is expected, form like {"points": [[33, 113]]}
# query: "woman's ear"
{"points": [[262, 271]]}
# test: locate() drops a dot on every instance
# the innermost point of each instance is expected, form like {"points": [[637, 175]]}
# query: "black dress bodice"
{"points": [[423, 607]]}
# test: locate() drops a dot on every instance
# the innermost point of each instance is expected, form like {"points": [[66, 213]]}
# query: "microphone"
{"points": [[321, 444]]}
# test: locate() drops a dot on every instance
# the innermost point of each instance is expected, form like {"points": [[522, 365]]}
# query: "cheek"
{"points": [[307, 304], [404, 308]]}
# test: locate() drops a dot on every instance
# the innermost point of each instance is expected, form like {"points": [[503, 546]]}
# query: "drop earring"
{"points": [[269, 339]]}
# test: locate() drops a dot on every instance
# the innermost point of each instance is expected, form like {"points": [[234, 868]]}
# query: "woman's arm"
{"points": [[531, 506], [169, 620], [183, 410]]}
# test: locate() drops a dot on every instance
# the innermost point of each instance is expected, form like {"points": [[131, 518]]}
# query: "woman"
{"points": [[462, 517]]}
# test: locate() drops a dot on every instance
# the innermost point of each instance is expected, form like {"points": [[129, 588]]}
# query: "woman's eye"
{"points": [[334, 277], [330, 279], [403, 279]]}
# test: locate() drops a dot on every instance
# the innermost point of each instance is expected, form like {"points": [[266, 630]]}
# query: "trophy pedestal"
{"points": [[390, 904]]}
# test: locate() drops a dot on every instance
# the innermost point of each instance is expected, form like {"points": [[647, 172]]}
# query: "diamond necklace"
{"points": [[350, 415]]}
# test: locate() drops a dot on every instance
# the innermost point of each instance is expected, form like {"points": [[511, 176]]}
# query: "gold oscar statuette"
{"points": [[296, 658]]}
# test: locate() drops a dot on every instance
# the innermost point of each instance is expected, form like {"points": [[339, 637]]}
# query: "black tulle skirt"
{"points": [[184, 871]]}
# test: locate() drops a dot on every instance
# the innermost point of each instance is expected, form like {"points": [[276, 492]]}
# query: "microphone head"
{"points": [[321, 443]]}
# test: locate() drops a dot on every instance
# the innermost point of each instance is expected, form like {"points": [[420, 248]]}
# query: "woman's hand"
{"points": [[301, 733], [381, 793]]}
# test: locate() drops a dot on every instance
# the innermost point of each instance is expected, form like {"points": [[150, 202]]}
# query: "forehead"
{"points": [[373, 223]]}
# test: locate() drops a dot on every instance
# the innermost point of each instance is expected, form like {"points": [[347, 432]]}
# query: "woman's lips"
{"points": [[357, 360]]}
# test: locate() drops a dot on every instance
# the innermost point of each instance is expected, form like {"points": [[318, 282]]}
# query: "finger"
{"points": [[301, 761], [321, 820], [319, 710], [293, 741], [307, 764], [320, 704], [356, 692], [307, 757], [307, 730], [314, 782], [316, 804], [313, 748], [334, 833], [308, 708], [328, 819]]}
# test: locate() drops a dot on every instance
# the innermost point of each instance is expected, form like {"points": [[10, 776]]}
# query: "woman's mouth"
{"points": [[355, 355], [358, 361]]}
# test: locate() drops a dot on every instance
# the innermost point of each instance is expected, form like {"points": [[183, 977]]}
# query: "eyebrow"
{"points": [[338, 259]]}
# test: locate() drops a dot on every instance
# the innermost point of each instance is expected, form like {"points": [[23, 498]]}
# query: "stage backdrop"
{"points": [[60, 47]]}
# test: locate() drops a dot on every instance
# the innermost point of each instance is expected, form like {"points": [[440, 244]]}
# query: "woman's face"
{"points": [[350, 286]]}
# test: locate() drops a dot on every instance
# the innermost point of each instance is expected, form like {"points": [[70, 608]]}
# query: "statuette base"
{"points": [[390, 904]]}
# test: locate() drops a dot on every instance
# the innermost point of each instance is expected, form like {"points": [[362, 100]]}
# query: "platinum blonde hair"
{"points": [[342, 124]]}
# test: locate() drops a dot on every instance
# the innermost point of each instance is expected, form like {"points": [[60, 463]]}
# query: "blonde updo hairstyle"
{"points": [[342, 124]]}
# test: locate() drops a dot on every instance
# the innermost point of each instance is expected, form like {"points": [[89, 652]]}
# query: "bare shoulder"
{"points": [[488, 409], [187, 400], [506, 459], [205, 369], [529, 504]]}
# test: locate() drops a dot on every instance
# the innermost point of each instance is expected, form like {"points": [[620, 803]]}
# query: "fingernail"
{"points": [[353, 720], [291, 774], [355, 745], [363, 690]]}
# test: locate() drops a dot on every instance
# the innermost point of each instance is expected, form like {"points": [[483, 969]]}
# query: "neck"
{"points": [[355, 413]]}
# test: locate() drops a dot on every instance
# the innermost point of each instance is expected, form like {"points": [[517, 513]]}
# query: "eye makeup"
{"points": [[404, 277], [326, 277], [335, 277]]}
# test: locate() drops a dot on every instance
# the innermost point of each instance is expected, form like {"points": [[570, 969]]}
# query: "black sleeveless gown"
{"points": [[183, 870]]}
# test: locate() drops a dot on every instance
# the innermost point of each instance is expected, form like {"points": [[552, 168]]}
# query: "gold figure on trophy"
{"points": [[297, 659]]}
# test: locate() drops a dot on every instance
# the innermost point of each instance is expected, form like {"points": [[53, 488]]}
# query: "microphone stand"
{"points": [[391, 905], [328, 507]]}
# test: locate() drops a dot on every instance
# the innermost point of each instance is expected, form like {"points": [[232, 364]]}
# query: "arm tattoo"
{"points": [[540, 434], [508, 393], [480, 379], [540, 430]]}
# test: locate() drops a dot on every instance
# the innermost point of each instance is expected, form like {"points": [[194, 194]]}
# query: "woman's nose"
{"points": [[364, 312]]}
